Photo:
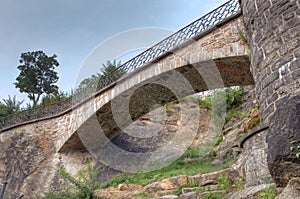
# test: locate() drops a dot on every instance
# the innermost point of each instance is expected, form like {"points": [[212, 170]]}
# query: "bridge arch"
{"points": [[221, 49]]}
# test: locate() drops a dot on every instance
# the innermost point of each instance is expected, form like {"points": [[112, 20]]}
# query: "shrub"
{"points": [[82, 186]]}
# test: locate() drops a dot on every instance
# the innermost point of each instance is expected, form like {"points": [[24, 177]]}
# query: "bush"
{"points": [[82, 186]]}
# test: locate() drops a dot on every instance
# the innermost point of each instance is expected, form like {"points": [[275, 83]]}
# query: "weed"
{"points": [[177, 191], [224, 183], [213, 196], [242, 35], [295, 148], [176, 168], [268, 193], [17, 134], [83, 185]]}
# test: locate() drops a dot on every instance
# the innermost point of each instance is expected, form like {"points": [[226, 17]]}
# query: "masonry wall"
{"points": [[273, 28], [274, 37]]}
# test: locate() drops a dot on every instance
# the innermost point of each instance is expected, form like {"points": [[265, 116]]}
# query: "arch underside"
{"points": [[161, 89]]}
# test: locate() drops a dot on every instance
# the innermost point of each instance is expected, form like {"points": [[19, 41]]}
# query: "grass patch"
{"points": [[269, 193], [176, 168], [235, 114], [213, 196]]}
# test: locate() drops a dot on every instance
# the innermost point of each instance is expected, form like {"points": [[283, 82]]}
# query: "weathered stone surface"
{"points": [[284, 134], [292, 190], [230, 61], [168, 197], [255, 165], [273, 35], [189, 195], [212, 178], [122, 187], [249, 192]]}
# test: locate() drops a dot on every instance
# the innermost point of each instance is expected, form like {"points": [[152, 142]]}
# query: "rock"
{"points": [[202, 195], [211, 178], [169, 197], [284, 130], [217, 162], [225, 151], [292, 190], [174, 182], [249, 192], [122, 187], [182, 180], [189, 195], [167, 184], [187, 160]]}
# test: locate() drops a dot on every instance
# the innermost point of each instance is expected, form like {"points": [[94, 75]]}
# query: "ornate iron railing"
{"points": [[167, 45]]}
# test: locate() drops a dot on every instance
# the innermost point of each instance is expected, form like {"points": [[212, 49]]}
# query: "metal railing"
{"points": [[167, 45]]}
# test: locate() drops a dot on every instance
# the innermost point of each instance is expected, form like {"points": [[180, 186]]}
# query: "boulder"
{"points": [[292, 190], [283, 139]]}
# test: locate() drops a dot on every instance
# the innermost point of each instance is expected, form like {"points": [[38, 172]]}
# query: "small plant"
{"points": [[177, 191], [268, 193], [238, 184], [193, 184], [169, 106], [17, 134], [224, 183], [295, 148], [83, 185], [242, 35], [213, 196], [205, 102]]}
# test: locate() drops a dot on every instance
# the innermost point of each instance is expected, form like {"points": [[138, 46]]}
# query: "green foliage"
{"points": [[96, 81], [193, 184], [10, 106], [213, 196], [110, 69], [253, 123], [205, 102], [242, 35], [191, 153], [234, 114], [269, 193], [177, 191], [239, 184], [234, 98], [219, 108], [218, 141], [84, 184], [54, 98], [17, 134], [295, 148], [169, 106], [224, 183], [176, 168], [222, 101], [89, 84], [37, 75]]}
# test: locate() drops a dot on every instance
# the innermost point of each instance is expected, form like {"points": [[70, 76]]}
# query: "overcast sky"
{"points": [[71, 29]]}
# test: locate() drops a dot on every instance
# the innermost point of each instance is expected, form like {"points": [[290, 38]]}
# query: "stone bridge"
{"points": [[208, 56], [215, 58]]}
